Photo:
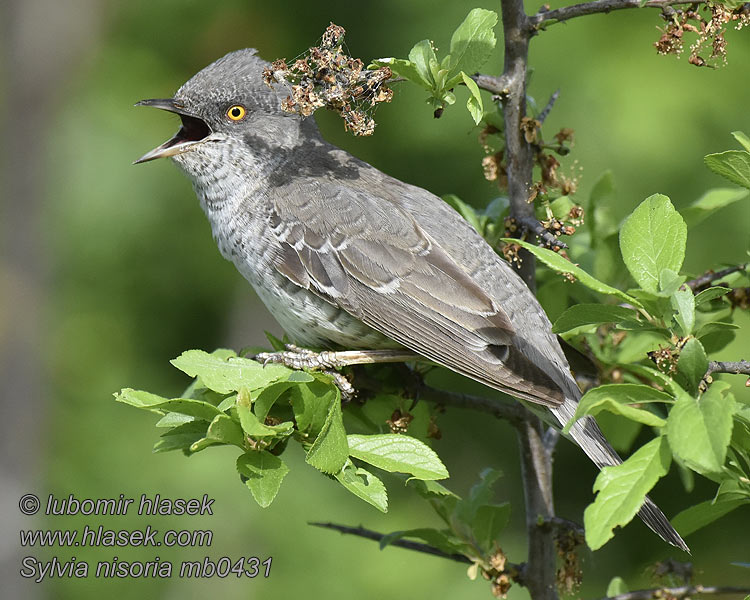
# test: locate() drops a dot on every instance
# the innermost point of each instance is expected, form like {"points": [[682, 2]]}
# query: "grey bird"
{"points": [[345, 256]]}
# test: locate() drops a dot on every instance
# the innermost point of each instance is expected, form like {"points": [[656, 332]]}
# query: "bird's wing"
{"points": [[368, 255]]}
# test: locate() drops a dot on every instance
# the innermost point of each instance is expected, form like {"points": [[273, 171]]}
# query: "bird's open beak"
{"points": [[193, 131]]}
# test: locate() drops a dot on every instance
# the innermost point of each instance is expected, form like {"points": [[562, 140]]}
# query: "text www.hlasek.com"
{"points": [[99, 536]]}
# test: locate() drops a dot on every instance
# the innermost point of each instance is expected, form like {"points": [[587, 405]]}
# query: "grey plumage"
{"points": [[344, 255]]}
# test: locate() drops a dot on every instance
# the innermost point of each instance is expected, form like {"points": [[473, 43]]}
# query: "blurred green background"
{"points": [[109, 270]]}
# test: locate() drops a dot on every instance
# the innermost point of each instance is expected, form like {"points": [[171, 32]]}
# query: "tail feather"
{"points": [[589, 437]]}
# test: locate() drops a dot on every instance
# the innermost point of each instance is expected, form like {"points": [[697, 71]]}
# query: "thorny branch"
{"points": [[676, 593], [407, 544], [544, 18]]}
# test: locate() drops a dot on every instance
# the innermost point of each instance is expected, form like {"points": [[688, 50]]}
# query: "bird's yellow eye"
{"points": [[236, 112]]}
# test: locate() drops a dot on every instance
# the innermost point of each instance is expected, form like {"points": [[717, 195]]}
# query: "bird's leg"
{"points": [[295, 357]]}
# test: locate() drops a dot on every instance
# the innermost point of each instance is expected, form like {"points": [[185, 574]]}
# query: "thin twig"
{"points": [[549, 17], [531, 223], [509, 411], [676, 593], [407, 544], [740, 367], [710, 276], [550, 103]]}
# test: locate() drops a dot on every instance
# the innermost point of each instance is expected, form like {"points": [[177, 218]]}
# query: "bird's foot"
{"points": [[295, 357]]}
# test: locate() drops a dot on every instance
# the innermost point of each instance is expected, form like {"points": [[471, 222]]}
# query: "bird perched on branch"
{"points": [[345, 256]]}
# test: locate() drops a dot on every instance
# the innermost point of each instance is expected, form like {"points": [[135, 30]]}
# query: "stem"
{"points": [[549, 17], [408, 544], [710, 276]]}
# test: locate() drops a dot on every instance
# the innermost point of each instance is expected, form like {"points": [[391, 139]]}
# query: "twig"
{"points": [[509, 411], [550, 103], [676, 593], [549, 17], [495, 85], [407, 544], [710, 276], [531, 223], [741, 367]]}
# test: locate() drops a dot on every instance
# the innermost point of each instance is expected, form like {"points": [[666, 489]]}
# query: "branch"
{"points": [[678, 592], [550, 103], [710, 276], [518, 152], [538, 572], [531, 223], [512, 412], [549, 17], [741, 367], [407, 544], [500, 86]]}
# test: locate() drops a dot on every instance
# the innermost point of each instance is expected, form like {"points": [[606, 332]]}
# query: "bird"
{"points": [[346, 256]]}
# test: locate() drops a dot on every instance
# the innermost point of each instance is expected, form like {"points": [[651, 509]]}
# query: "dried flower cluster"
{"points": [[710, 30], [326, 76], [551, 183], [400, 421]]}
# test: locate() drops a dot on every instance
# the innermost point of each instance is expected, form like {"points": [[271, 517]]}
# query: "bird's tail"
{"points": [[589, 437]]}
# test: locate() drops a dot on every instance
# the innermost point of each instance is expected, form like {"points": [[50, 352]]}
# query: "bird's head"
{"points": [[224, 104]]}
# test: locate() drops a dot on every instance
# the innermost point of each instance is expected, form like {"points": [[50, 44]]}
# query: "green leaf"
{"points": [[616, 587], [397, 453], [422, 56], [430, 489], [406, 69], [330, 451], [264, 473], [228, 375], [173, 419], [652, 239], [698, 516], [699, 430], [364, 485], [710, 294], [184, 406], [226, 430], [181, 437], [465, 210], [253, 426], [710, 202], [622, 490], [561, 265], [683, 302], [617, 398], [474, 103], [733, 165], [472, 43], [311, 404], [579, 315], [741, 137], [489, 521], [669, 282], [693, 364], [480, 494]]}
